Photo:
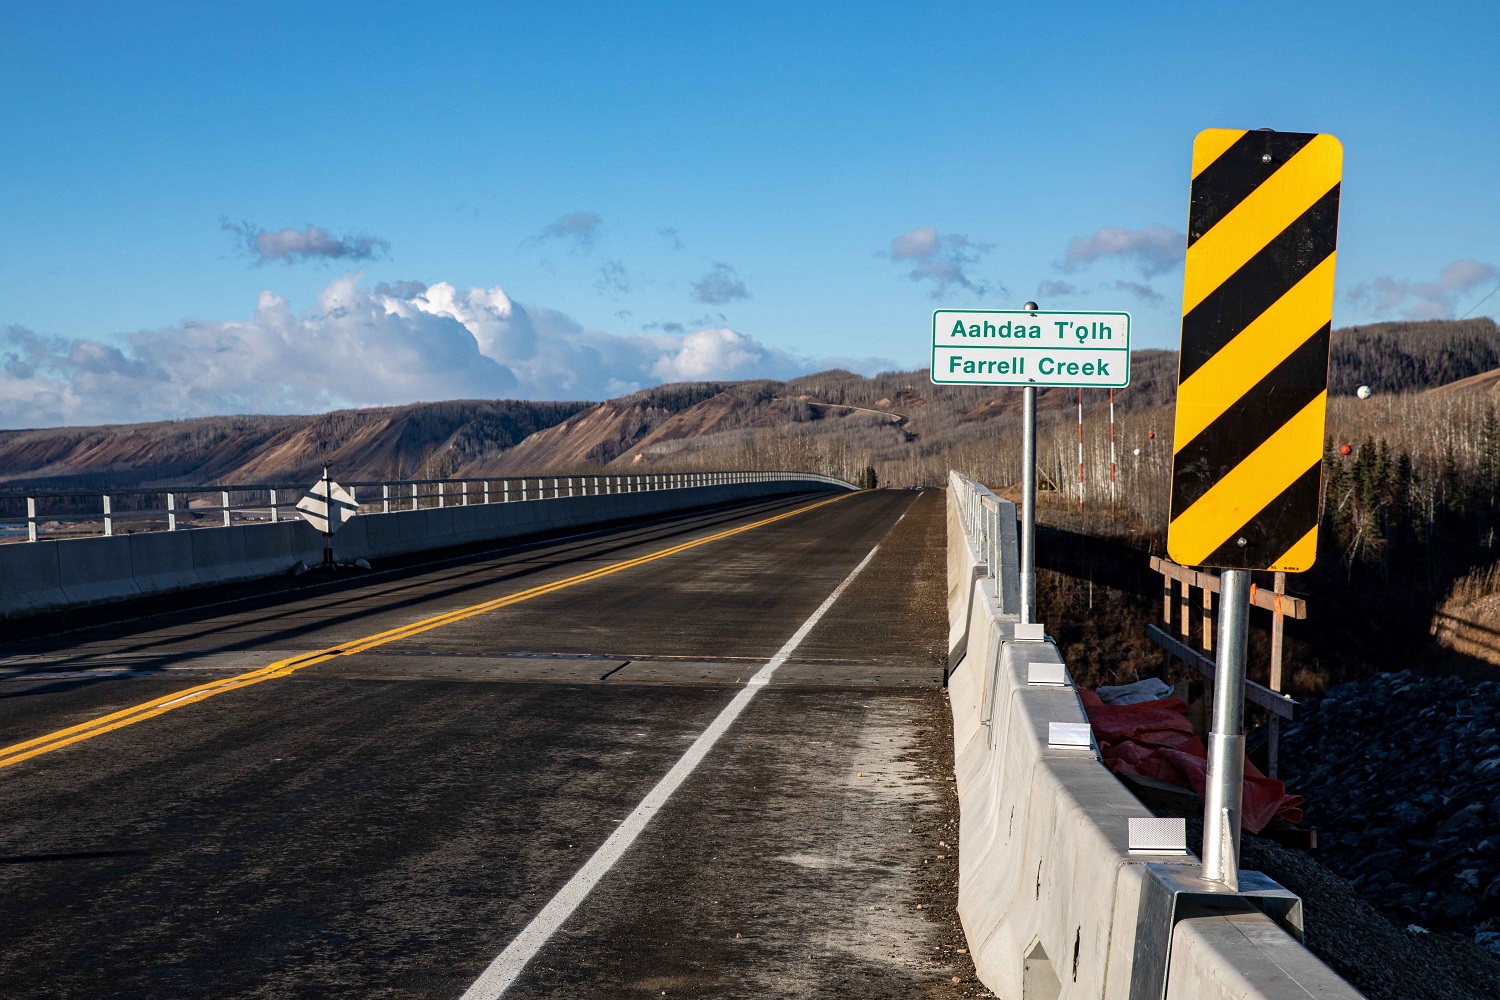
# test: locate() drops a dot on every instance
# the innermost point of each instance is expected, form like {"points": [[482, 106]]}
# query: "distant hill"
{"points": [[833, 421], [419, 440], [604, 432], [1408, 356]]}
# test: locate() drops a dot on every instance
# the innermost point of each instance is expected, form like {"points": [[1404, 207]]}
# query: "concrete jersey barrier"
{"points": [[1049, 891], [56, 574]]}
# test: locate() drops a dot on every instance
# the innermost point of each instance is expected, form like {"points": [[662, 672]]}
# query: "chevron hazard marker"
{"points": [[1252, 380]]}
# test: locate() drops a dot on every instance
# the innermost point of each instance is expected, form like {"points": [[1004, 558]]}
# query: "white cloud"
{"points": [[1386, 297], [723, 353], [313, 243], [916, 244], [1154, 249], [397, 343], [941, 259]]}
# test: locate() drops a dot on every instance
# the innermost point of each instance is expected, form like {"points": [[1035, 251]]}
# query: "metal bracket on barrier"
{"points": [[1029, 632], [1167, 887], [1046, 675], [990, 691]]}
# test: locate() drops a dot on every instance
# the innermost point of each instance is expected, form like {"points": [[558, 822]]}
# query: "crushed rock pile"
{"points": [[1402, 778]]}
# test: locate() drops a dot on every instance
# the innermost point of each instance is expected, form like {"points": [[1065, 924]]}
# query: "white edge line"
{"points": [[502, 972]]}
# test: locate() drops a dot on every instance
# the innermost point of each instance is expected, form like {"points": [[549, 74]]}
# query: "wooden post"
{"points": [[1167, 586], [1273, 747], [1183, 608], [1205, 706], [1208, 620]]}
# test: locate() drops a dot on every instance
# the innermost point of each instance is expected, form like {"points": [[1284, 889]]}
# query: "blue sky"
{"points": [[211, 208]]}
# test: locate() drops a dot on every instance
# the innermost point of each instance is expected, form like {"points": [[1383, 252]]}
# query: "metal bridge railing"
{"points": [[36, 514], [980, 511], [990, 521]]}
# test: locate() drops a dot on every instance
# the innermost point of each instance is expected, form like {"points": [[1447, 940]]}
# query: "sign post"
{"points": [[1028, 501], [1252, 390], [1028, 348]]}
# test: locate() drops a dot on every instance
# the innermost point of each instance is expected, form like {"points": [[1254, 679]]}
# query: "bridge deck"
{"points": [[384, 822]]}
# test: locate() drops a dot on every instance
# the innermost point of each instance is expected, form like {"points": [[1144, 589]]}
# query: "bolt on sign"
{"points": [[1252, 380]]}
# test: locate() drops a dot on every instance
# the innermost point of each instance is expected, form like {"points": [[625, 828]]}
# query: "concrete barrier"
{"points": [[32, 579], [163, 561], [219, 554], [55, 574], [102, 571], [1049, 890]]}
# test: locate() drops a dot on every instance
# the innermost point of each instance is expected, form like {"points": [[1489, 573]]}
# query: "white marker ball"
{"points": [[1137, 451], [1363, 392]]}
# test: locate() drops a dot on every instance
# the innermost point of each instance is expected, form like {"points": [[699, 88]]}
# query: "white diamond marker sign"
{"points": [[326, 494]]}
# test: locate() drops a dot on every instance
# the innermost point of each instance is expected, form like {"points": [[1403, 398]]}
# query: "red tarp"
{"points": [[1154, 739]]}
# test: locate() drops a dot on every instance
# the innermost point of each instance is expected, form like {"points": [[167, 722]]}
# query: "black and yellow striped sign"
{"points": [[1252, 381]]}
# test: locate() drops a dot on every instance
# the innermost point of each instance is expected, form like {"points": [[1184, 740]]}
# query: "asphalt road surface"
{"points": [[372, 786]]}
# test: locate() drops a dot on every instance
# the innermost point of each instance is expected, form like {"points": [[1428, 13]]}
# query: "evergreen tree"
{"points": [[1337, 512], [1489, 459], [1402, 512], [1455, 496]]}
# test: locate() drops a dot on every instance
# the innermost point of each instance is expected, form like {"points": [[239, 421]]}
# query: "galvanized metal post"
{"points": [[172, 509], [413, 496], [1273, 747], [31, 519], [275, 515], [328, 518], [1028, 498], [224, 496], [109, 521], [1222, 796], [486, 491]]}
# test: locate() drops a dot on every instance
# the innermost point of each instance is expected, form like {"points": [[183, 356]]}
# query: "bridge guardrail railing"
{"points": [[88, 560], [1068, 885], [81, 513]]}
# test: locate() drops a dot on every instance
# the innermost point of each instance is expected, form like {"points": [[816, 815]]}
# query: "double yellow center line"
{"points": [[282, 668]]}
